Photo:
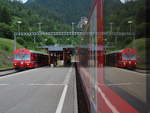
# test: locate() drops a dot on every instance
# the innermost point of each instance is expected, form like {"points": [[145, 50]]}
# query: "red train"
{"points": [[26, 59], [107, 89], [125, 58]]}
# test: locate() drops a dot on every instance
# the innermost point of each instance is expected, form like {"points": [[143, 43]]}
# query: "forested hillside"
{"points": [[58, 15], [114, 12], [13, 11], [123, 13], [69, 10]]}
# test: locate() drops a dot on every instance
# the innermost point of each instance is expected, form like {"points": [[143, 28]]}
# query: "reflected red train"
{"points": [[99, 94], [125, 58], [26, 59]]}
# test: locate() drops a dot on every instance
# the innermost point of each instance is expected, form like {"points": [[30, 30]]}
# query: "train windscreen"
{"points": [[22, 57], [128, 57]]}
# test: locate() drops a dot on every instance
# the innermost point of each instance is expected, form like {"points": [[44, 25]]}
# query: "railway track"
{"points": [[11, 71], [7, 71], [1, 70], [140, 70]]}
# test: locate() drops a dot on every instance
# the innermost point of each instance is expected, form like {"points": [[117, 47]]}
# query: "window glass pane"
{"points": [[128, 57], [22, 57]]}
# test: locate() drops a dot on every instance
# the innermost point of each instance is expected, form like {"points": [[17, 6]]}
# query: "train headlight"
{"points": [[15, 64], [124, 63], [129, 62], [28, 63]]}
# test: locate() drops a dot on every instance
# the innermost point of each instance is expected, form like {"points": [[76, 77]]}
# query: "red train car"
{"points": [[25, 59], [107, 89], [125, 58]]}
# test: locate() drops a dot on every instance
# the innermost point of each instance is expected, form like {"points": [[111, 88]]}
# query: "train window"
{"points": [[22, 57], [128, 57], [125, 57], [132, 57]]}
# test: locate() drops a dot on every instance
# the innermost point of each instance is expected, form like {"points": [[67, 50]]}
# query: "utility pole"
{"points": [[34, 40], [111, 27], [15, 42], [39, 26], [73, 26], [72, 31]]}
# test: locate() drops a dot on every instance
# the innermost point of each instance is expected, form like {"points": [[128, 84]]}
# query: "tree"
{"points": [[5, 30], [5, 16]]}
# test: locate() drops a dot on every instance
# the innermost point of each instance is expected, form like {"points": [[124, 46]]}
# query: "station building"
{"points": [[60, 55]]}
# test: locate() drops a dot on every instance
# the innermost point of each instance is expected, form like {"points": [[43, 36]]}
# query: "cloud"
{"points": [[122, 1], [24, 1]]}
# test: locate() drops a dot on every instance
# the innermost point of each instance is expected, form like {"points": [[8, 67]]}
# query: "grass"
{"points": [[141, 47], [6, 52], [5, 67]]}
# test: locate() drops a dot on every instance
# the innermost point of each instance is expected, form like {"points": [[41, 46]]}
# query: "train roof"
{"points": [[57, 48], [123, 51], [27, 51], [53, 48], [94, 47]]}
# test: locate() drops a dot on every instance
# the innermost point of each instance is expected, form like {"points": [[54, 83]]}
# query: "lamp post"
{"points": [[18, 23], [130, 24]]}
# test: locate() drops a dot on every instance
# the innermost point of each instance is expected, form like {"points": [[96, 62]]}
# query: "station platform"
{"points": [[40, 90]]}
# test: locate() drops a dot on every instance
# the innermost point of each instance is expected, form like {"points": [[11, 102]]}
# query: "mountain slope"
{"points": [[69, 10]]}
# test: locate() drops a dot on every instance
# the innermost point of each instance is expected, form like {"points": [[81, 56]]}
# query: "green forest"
{"points": [[125, 17], [13, 12], [130, 11], [58, 15]]}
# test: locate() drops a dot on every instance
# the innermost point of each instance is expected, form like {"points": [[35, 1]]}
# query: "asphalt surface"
{"points": [[134, 83], [41, 90], [2, 73], [129, 85]]}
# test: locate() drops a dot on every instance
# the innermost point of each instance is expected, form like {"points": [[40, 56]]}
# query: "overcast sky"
{"points": [[122, 1], [23, 1]]}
